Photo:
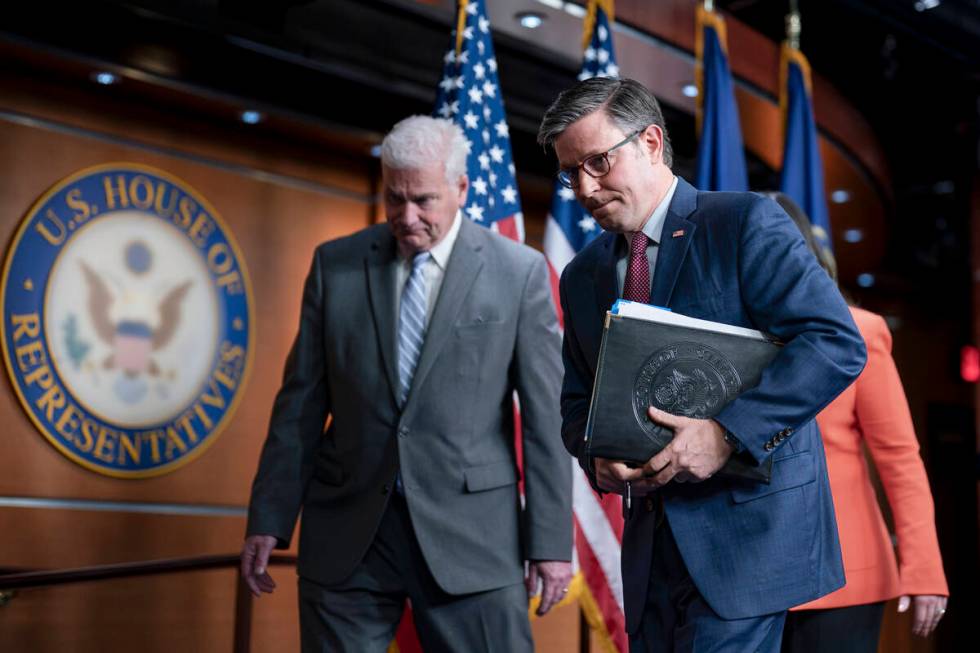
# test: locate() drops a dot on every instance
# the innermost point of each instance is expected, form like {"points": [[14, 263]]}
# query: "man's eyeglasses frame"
{"points": [[595, 166]]}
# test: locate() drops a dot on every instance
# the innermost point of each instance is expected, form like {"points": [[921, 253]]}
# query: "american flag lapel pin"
{"points": [[678, 233]]}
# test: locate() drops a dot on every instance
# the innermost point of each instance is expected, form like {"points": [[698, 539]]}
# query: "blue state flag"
{"points": [[721, 157], [802, 177]]}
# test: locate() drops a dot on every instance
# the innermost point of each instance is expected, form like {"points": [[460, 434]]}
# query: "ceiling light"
{"points": [[690, 90], [530, 19], [104, 78], [840, 196], [923, 5], [853, 235], [251, 117], [866, 279]]}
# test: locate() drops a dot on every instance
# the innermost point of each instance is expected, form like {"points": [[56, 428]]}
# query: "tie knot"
{"points": [[638, 245], [420, 260]]}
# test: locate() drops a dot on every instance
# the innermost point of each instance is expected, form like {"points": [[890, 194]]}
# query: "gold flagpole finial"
{"points": [[588, 22], [460, 24], [793, 26]]}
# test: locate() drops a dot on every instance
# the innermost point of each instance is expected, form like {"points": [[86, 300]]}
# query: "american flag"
{"points": [[469, 94], [598, 521]]}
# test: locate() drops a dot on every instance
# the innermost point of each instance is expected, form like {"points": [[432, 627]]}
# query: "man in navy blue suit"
{"points": [[710, 563]]}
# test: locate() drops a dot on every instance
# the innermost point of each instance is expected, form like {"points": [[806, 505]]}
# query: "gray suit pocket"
{"points": [[488, 477], [791, 471], [477, 329]]}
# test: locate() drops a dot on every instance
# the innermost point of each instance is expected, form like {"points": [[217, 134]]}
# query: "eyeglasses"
{"points": [[595, 166]]}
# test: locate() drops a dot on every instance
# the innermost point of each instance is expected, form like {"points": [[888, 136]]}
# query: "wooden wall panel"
{"points": [[181, 612], [45, 538], [277, 228]]}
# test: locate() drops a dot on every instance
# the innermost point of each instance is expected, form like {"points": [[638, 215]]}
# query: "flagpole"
{"points": [[793, 26]]}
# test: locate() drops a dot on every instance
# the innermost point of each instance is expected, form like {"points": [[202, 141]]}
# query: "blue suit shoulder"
{"points": [[715, 208]]}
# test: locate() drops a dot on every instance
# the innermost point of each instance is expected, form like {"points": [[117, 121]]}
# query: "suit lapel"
{"points": [[606, 286], [464, 265], [379, 267], [675, 240]]}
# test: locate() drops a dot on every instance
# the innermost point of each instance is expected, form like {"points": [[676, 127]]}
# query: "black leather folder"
{"points": [[684, 366]]}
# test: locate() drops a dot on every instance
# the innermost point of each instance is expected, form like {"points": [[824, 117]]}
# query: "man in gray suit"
{"points": [[413, 337]]}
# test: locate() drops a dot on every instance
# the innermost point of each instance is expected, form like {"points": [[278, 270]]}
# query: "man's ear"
{"points": [[462, 187], [653, 138]]}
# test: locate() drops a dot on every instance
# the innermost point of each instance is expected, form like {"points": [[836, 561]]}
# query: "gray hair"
{"points": [[627, 102], [418, 142]]}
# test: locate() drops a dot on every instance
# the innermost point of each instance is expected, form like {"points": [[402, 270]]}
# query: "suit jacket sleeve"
{"points": [[886, 424], [786, 293], [296, 426], [547, 470]]}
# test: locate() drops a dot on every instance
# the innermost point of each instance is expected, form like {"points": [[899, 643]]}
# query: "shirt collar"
{"points": [[654, 226], [441, 251]]}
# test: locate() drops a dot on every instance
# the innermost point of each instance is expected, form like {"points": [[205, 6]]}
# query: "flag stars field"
{"points": [[475, 212], [469, 93], [587, 224]]}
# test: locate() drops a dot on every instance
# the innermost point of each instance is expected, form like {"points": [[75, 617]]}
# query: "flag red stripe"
{"points": [[612, 505], [407, 638], [613, 616], [553, 277], [508, 227]]}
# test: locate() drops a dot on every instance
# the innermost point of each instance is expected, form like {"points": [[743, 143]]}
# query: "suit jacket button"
{"points": [[648, 504], [768, 446], [403, 431], [385, 489]]}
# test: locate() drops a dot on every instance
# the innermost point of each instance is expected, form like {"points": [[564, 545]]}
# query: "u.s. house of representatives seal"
{"points": [[127, 329], [684, 378]]}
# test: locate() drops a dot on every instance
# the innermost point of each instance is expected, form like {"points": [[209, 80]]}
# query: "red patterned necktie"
{"points": [[636, 288]]}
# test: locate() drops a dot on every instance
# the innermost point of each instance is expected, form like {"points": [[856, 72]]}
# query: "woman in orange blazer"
{"points": [[872, 412]]}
